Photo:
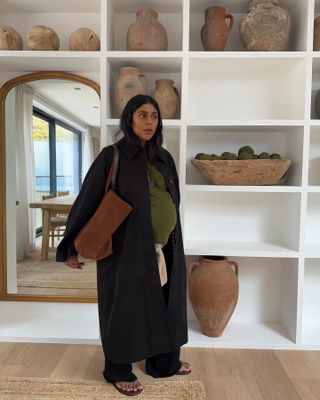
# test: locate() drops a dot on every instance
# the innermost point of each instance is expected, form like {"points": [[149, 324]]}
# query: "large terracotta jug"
{"points": [[128, 85], [167, 96], [266, 27], [147, 33], [213, 292], [215, 31]]}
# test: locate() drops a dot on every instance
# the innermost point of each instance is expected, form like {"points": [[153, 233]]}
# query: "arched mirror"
{"points": [[49, 136]]}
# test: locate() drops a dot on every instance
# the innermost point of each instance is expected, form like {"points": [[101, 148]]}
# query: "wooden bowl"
{"points": [[243, 172]]}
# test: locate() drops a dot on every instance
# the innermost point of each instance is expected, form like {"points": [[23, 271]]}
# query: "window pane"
{"points": [[40, 135], [67, 159]]}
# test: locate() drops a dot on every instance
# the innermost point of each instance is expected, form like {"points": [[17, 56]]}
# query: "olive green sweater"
{"points": [[163, 210]]}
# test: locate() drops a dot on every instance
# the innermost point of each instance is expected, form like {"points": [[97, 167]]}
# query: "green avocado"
{"points": [[275, 156], [264, 155], [246, 149], [228, 156]]}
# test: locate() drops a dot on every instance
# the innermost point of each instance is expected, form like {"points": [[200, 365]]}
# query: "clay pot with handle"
{"points": [[215, 31], [213, 292], [130, 83]]}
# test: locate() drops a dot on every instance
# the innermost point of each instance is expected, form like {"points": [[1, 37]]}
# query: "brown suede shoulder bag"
{"points": [[94, 241]]}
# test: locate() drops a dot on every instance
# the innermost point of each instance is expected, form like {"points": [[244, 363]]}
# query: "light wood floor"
{"points": [[226, 373]]}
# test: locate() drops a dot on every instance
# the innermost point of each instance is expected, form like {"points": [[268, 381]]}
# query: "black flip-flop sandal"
{"points": [[183, 372], [127, 392]]}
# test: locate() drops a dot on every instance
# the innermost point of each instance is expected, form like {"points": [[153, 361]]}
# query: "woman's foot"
{"points": [[185, 368], [129, 388]]}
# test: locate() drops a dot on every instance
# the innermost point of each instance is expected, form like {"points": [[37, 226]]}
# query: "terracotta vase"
{"points": [[147, 33], [10, 39], [316, 34], [84, 39], [215, 31], [213, 292], [167, 96], [41, 37], [128, 85], [266, 27]]}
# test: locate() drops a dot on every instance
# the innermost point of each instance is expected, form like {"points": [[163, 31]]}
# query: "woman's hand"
{"points": [[73, 262]]}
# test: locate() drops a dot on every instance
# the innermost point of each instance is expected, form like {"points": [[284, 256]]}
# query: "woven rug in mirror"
{"points": [[54, 389]]}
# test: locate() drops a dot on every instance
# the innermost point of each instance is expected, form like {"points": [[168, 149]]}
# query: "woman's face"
{"points": [[145, 122]]}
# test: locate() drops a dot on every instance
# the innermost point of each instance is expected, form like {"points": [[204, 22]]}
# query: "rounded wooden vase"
{"points": [[167, 96], [41, 37], [130, 83], [84, 39], [266, 27], [147, 33], [10, 39], [215, 31], [213, 292]]}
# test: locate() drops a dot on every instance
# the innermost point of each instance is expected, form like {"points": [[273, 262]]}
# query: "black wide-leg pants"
{"points": [[158, 366]]}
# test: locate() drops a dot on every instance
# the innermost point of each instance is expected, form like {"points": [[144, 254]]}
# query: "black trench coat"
{"points": [[135, 322]]}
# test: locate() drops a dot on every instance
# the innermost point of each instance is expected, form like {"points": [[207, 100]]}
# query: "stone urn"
{"points": [[147, 33], [130, 83], [10, 39], [266, 27], [167, 97], [316, 34], [215, 31], [213, 292], [41, 37], [84, 39]]}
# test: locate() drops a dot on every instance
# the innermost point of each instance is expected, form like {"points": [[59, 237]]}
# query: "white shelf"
{"points": [[246, 122], [244, 335], [57, 6], [165, 122], [259, 189], [238, 249], [247, 55], [32, 61], [314, 189], [312, 250]]}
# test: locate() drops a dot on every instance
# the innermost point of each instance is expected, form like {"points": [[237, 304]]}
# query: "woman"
{"points": [[142, 285]]}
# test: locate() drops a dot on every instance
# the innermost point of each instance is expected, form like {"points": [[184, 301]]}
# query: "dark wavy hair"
{"points": [[126, 120]]}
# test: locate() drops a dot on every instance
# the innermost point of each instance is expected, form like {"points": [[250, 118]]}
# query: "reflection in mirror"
{"points": [[52, 135]]}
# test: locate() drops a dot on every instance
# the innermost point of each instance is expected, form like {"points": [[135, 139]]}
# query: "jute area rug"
{"points": [[53, 389], [51, 274]]}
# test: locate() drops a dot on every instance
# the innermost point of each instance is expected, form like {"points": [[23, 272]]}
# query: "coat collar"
{"points": [[130, 149]]}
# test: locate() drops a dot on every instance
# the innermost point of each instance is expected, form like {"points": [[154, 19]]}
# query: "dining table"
{"points": [[50, 207]]}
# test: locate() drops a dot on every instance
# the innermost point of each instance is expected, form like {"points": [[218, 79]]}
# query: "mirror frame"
{"points": [[4, 296]]}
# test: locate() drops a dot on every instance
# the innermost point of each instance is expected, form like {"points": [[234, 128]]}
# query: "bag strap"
{"points": [[113, 170]]}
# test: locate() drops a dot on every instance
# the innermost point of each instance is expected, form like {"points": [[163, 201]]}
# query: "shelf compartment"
{"points": [[263, 317], [313, 223], [250, 221], [154, 68], [241, 88], [311, 300], [314, 156], [64, 17], [285, 140], [299, 21], [122, 13], [171, 139]]}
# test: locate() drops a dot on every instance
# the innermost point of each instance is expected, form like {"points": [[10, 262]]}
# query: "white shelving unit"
{"points": [[228, 99]]}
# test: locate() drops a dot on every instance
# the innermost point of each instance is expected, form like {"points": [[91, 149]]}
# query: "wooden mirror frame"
{"points": [[4, 90]]}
